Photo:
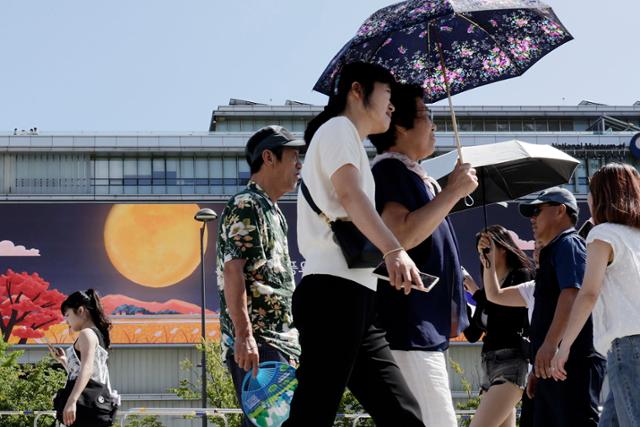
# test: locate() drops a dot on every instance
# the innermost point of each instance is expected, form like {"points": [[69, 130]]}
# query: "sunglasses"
{"points": [[535, 211]]}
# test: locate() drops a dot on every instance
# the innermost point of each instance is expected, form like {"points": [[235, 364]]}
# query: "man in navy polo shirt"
{"points": [[574, 402]]}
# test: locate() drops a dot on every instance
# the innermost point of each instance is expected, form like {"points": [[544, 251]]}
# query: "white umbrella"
{"points": [[506, 170]]}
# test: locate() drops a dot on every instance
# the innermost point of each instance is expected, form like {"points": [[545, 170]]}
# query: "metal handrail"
{"points": [[192, 412], [189, 412]]}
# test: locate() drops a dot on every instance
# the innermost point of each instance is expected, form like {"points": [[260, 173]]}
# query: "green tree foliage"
{"points": [[143, 421], [221, 394], [220, 391], [27, 387], [472, 402]]}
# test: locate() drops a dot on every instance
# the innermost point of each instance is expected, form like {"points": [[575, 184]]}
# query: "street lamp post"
{"points": [[203, 215]]}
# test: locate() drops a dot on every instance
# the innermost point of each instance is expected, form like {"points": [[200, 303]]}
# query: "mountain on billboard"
{"points": [[122, 304]]}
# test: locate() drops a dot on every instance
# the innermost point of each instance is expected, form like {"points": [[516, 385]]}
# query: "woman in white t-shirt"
{"points": [[611, 288], [333, 306]]}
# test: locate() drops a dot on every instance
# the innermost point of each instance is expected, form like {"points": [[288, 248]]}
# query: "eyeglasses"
{"points": [[425, 113], [535, 211]]}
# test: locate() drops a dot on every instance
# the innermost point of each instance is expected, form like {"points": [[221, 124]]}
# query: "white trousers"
{"points": [[427, 377]]}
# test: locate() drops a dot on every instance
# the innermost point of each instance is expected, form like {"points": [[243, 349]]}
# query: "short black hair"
{"points": [[255, 166], [403, 98], [573, 216]]}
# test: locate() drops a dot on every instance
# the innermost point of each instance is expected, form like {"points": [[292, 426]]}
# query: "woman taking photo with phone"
{"points": [[334, 305], [85, 361], [611, 290], [504, 349]]}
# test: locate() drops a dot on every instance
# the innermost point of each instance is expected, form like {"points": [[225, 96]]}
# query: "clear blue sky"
{"points": [[164, 65]]}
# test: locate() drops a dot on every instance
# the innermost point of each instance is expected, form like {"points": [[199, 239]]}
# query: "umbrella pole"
{"points": [[453, 113], [484, 198]]}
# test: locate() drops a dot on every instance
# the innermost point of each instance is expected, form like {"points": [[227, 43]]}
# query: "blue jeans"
{"points": [[622, 407], [267, 354]]}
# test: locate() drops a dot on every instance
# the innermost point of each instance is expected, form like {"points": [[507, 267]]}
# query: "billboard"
{"points": [[144, 259]]}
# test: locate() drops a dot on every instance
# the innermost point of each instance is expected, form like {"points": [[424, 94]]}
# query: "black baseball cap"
{"points": [[268, 138], [557, 195]]}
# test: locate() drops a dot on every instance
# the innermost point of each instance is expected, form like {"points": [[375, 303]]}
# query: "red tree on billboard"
{"points": [[27, 306]]}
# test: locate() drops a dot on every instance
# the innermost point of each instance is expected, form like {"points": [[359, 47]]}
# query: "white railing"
{"points": [[190, 412]]}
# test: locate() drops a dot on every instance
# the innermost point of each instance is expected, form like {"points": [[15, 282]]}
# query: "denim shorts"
{"points": [[502, 366]]}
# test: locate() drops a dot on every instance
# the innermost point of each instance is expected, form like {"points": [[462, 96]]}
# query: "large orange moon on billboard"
{"points": [[153, 245]]}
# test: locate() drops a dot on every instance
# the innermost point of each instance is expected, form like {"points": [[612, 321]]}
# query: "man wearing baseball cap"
{"points": [[254, 271], [574, 402]]}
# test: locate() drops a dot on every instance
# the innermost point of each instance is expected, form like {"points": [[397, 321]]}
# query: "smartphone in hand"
{"points": [[428, 280], [56, 352], [585, 228]]}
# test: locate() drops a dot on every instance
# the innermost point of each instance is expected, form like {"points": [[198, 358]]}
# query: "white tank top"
{"points": [[100, 371]]}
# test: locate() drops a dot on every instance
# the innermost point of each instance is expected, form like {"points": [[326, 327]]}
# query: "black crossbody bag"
{"points": [[95, 406], [357, 250]]}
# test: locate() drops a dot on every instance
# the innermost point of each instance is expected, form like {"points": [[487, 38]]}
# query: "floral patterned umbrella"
{"points": [[450, 46]]}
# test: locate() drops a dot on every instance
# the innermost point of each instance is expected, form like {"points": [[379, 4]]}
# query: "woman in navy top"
{"points": [[419, 325]]}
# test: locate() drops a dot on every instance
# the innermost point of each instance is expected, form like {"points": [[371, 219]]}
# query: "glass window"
{"points": [[130, 176], [247, 125], [100, 176], [554, 125], [244, 172], [202, 176], [187, 176], [3, 189], [230, 175], [441, 125], [477, 125], [490, 125], [158, 177], [581, 179], [115, 169], [502, 125], [158, 172], [215, 175], [101, 168], [299, 125], [115, 176], [540, 125], [144, 176], [464, 125], [566, 125], [172, 164], [594, 164], [528, 125], [515, 125]]}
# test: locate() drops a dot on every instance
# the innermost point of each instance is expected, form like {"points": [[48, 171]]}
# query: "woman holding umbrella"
{"points": [[419, 325], [333, 306]]}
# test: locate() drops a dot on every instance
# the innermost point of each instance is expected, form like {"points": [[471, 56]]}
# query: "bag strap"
{"points": [[312, 204]]}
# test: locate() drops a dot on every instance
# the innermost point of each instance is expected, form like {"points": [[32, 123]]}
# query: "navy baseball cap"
{"points": [[268, 138], [557, 195]]}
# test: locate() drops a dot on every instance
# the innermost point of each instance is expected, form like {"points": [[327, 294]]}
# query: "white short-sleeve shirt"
{"points": [[617, 311], [335, 144], [527, 289]]}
